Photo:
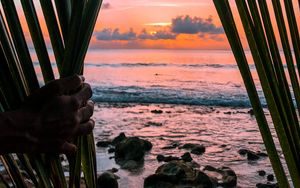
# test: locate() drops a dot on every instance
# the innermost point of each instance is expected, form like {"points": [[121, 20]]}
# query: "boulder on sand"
{"points": [[130, 149], [107, 179], [178, 174]]}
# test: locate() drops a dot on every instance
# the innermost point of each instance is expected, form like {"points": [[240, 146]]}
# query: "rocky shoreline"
{"points": [[199, 135], [176, 171]]}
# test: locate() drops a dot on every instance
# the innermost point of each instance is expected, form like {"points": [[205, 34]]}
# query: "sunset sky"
{"points": [[188, 24], [158, 24], [170, 24]]}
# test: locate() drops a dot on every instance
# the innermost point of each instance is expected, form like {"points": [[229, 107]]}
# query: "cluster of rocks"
{"points": [[182, 174], [180, 171]]}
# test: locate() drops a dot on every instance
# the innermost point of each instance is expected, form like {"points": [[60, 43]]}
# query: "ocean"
{"points": [[188, 77], [202, 98]]}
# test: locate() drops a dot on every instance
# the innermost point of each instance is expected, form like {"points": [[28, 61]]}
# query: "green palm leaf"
{"points": [[259, 31], [18, 79]]}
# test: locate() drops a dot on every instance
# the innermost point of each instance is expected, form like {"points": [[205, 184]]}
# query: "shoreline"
{"points": [[222, 130]]}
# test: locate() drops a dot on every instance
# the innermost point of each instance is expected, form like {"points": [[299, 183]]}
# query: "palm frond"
{"points": [[18, 79], [264, 48]]}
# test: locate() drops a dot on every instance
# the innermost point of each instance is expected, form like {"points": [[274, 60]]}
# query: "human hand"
{"points": [[51, 118]]}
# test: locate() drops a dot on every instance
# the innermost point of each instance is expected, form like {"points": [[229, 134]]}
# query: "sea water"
{"points": [[189, 77], [203, 99]]}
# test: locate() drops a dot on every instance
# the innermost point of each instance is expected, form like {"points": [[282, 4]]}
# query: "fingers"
{"points": [[86, 112], [85, 128], [68, 148], [63, 86], [69, 85], [84, 94]]}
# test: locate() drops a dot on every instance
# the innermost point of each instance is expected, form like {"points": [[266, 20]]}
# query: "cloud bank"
{"points": [[108, 34], [189, 25], [204, 28]]}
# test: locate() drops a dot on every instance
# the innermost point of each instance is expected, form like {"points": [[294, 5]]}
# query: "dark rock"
{"points": [[225, 176], [194, 165], [153, 124], [158, 181], [163, 158], [129, 153], [228, 113], [160, 158], [132, 148], [107, 179], [261, 173], [172, 169], [119, 139], [268, 185], [229, 177], [156, 111], [113, 170], [198, 150], [223, 146], [210, 168], [172, 146], [178, 174], [103, 143], [251, 112], [169, 147], [147, 145], [270, 177], [111, 150], [171, 158], [243, 151], [261, 154], [188, 146], [204, 180], [131, 164], [186, 157], [176, 144], [252, 156]]}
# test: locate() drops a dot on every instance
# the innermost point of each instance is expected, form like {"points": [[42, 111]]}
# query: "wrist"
{"points": [[15, 122]]}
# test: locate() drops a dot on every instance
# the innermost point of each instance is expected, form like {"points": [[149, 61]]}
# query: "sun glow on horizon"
{"points": [[159, 24]]}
